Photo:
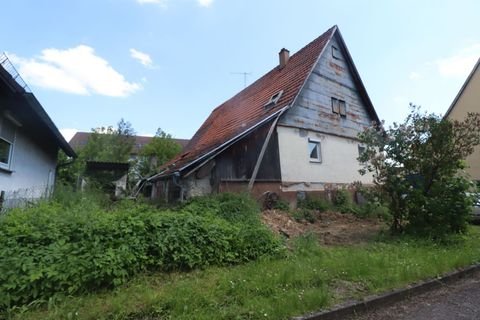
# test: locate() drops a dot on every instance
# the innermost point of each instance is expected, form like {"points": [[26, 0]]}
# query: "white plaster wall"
{"points": [[197, 187], [339, 159], [33, 170]]}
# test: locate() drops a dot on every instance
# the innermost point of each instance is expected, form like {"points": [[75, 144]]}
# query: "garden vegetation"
{"points": [[417, 169], [76, 246]]}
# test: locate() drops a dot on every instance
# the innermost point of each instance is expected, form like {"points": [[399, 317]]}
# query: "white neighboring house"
{"points": [[292, 131], [29, 142]]}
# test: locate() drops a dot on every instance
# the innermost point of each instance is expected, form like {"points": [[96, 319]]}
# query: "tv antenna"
{"points": [[245, 74]]}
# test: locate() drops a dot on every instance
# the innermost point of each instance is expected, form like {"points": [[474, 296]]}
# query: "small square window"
{"points": [[335, 106], [339, 107], [335, 53], [361, 150], [314, 151], [342, 106]]}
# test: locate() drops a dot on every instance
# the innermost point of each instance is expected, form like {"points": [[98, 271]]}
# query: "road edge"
{"points": [[374, 302]]}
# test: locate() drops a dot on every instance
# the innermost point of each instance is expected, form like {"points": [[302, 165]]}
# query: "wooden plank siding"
{"points": [[238, 162], [331, 78]]}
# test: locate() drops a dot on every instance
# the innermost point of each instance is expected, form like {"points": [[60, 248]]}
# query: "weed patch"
{"points": [[309, 278], [79, 247]]}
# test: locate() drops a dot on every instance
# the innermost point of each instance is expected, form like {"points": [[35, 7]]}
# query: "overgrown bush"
{"points": [[302, 214], [372, 210], [418, 166], [57, 249], [282, 205], [343, 201], [314, 203]]}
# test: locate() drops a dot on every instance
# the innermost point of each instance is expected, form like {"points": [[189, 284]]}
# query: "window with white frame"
{"points": [[314, 150], [7, 138]]}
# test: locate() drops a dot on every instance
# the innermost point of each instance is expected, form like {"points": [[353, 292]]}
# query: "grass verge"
{"points": [[309, 279]]}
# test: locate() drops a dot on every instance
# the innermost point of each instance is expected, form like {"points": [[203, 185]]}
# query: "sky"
{"points": [[168, 63]]}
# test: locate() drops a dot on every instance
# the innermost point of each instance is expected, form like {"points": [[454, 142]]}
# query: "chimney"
{"points": [[283, 56]]}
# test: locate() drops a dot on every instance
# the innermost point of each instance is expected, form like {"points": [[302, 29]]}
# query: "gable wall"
{"points": [[469, 101], [312, 117], [313, 110]]}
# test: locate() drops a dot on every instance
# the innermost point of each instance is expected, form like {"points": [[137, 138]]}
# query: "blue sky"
{"points": [[169, 63]]}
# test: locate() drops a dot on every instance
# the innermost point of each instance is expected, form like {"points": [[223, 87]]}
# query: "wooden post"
{"points": [[262, 152]]}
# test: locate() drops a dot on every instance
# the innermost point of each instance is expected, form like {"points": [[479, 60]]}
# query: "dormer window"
{"points": [[273, 99]]}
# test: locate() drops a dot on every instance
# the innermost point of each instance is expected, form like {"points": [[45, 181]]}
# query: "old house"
{"points": [[29, 141], [292, 131], [468, 100]]}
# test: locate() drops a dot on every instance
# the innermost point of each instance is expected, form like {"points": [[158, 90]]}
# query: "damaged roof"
{"points": [[246, 110]]}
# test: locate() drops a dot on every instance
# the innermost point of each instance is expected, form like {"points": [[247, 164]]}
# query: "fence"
{"points": [[23, 197]]}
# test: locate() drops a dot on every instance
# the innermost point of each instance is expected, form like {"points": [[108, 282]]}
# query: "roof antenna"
{"points": [[245, 74]]}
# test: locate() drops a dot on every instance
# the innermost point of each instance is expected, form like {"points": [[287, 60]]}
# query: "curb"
{"points": [[374, 302]]}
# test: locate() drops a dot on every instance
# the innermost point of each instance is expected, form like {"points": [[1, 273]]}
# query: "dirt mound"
{"points": [[332, 228]]}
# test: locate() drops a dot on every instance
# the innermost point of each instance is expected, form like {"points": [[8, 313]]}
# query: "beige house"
{"points": [[468, 100]]}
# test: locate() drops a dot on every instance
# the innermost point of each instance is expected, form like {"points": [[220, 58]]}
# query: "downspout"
{"points": [[262, 151]]}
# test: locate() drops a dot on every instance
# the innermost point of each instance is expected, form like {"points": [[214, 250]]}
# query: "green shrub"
{"points": [[54, 249], [343, 201], [372, 210], [229, 206], [282, 205], [304, 214], [342, 198], [314, 203]]}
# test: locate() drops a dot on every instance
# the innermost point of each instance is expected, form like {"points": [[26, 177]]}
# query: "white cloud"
{"points": [[68, 133], [205, 3], [141, 57], [161, 3], [146, 134], [76, 70], [460, 64], [414, 75]]}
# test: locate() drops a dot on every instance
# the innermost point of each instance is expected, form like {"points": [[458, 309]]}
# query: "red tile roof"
{"points": [[80, 139], [247, 108]]}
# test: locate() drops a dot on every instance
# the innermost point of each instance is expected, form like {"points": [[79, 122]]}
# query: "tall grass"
{"points": [[308, 279], [74, 244]]}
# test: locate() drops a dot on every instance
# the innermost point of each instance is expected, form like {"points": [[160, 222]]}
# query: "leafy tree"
{"points": [[158, 151], [418, 167], [104, 144], [110, 144]]}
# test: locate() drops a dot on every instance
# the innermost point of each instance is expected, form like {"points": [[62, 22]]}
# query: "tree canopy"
{"points": [[417, 166], [158, 151]]}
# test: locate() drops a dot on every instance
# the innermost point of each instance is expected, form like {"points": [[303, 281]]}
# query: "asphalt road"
{"points": [[460, 300]]}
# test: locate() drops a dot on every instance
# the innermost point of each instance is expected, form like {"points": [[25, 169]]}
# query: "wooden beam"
{"points": [[262, 152]]}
